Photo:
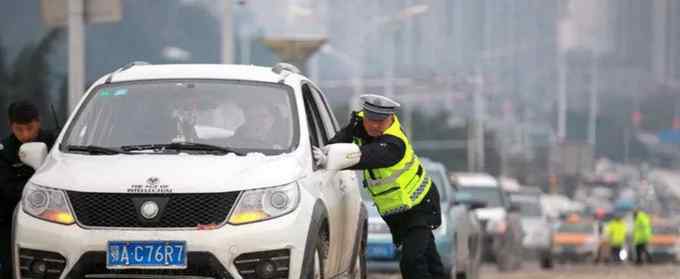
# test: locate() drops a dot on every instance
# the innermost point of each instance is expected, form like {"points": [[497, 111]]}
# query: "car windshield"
{"points": [[576, 228], [240, 116], [489, 195], [529, 205]]}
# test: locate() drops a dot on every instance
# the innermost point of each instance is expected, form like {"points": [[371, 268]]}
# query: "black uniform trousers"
{"points": [[615, 254], [641, 251], [412, 231], [5, 250]]}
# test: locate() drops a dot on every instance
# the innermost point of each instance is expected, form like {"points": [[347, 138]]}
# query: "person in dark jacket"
{"points": [[402, 190], [24, 122]]}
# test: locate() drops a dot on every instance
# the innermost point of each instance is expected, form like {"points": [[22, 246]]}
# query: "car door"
{"points": [[460, 216], [326, 182], [348, 185]]}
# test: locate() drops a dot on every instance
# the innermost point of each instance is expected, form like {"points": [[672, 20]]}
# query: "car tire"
{"points": [[320, 257], [546, 262], [473, 269], [360, 268]]}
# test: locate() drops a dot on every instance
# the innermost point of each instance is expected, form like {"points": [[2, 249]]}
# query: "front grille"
{"points": [[175, 210], [199, 265], [248, 264], [52, 264]]}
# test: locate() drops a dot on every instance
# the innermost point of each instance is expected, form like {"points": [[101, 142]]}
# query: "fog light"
{"points": [[266, 270], [38, 267]]}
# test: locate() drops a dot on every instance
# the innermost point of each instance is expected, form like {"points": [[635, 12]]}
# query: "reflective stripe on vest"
{"points": [[399, 187], [393, 176]]}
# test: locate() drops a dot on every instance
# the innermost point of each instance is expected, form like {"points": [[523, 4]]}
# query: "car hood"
{"points": [[494, 213], [155, 173]]}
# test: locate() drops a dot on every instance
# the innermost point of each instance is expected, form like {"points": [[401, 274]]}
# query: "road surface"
{"points": [[583, 271]]}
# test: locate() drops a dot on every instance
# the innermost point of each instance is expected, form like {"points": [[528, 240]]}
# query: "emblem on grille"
{"points": [[149, 209], [153, 181]]}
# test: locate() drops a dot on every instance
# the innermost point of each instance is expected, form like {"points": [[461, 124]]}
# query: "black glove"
{"points": [[355, 119]]}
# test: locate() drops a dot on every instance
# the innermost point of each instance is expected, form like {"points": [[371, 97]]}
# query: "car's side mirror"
{"points": [[342, 155], [33, 154]]}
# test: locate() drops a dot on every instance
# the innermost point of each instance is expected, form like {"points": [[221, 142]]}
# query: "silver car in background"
{"points": [[502, 231], [538, 230]]}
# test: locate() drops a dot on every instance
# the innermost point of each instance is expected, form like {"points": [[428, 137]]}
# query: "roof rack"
{"points": [[284, 70], [127, 66]]}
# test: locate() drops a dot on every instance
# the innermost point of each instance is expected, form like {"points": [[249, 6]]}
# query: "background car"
{"points": [[535, 223], [460, 239], [663, 246], [502, 235], [575, 240]]}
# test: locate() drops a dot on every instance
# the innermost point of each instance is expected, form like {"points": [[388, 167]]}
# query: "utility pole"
{"points": [[593, 110], [76, 53], [227, 32], [478, 105], [388, 54], [660, 48], [561, 97], [471, 161]]}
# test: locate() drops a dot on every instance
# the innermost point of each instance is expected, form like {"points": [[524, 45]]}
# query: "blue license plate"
{"points": [[146, 254], [380, 251]]}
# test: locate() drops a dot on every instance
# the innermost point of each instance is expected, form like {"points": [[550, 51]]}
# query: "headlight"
{"points": [[263, 204], [47, 204]]}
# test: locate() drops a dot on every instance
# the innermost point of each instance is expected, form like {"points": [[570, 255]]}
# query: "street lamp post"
{"points": [[227, 32], [76, 50]]}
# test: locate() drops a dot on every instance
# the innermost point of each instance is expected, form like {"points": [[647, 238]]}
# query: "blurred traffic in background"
{"points": [[542, 120]]}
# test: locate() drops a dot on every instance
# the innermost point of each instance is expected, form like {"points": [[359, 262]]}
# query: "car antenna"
{"points": [[54, 115]]}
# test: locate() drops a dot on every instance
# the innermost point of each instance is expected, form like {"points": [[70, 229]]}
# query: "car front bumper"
{"points": [[223, 247]]}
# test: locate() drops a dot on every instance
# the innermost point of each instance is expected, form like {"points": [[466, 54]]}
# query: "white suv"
{"points": [[201, 171]]}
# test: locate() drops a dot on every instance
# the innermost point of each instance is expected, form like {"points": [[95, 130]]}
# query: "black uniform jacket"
{"points": [[14, 174]]}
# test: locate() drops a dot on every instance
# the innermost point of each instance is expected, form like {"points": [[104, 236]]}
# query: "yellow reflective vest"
{"points": [[401, 186], [642, 229], [616, 232]]}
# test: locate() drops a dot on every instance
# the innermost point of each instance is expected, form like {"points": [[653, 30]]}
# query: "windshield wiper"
{"points": [[93, 149], [180, 146]]}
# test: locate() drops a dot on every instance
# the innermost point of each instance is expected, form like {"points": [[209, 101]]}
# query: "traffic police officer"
{"points": [[642, 233], [616, 234], [25, 126], [402, 190]]}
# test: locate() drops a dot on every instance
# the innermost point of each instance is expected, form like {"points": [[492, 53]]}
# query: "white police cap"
{"points": [[378, 107]]}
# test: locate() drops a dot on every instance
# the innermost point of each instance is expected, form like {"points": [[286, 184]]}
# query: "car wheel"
{"points": [[320, 258], [360, 264], [504, 260], [473, 269], [546, 262]]}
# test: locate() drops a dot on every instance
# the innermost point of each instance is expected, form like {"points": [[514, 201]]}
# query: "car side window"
{"points": [[313, 110], [314, 131], [329, 122]]}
